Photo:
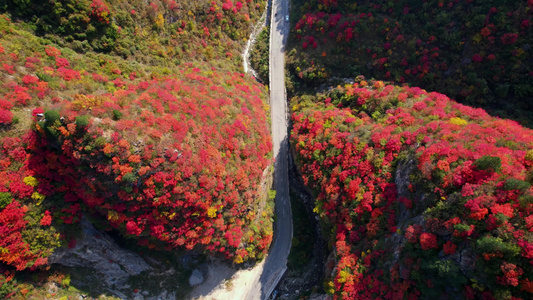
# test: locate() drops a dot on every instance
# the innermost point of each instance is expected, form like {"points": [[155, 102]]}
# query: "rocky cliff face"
{"points": [[465, 259], [107, 268], [97, 263], [97, 250]]}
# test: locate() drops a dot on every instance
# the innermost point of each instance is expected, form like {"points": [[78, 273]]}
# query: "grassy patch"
{"points": [[259, 56], [56, 283]]}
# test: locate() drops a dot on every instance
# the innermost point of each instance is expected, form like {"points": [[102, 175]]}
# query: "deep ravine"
{"points": [[304, 280]]}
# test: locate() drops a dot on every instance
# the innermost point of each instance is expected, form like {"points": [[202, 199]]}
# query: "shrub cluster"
{"points": [[181, 167]]}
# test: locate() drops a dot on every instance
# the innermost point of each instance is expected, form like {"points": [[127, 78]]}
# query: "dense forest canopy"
{"points": [[477, 52], [424, 197], [134, 115]]}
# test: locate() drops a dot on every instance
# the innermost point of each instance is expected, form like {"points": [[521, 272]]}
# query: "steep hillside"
{"points": [[136, 117], [173, 160], [478, 52], [162, 32], [427, 197]]}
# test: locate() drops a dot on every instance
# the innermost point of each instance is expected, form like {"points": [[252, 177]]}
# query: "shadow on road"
{"points": [[276, 262]]}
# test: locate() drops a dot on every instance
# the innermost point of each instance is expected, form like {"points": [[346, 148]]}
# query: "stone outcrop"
{"points": [[98, 251]]}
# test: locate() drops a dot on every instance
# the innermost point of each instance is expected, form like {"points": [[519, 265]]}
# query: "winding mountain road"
{"points": [[276, 261]]}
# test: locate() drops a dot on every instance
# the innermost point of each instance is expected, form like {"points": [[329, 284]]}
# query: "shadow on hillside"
{"points": [[276, 262], [218, 274], [104, 263], [305, 266]]}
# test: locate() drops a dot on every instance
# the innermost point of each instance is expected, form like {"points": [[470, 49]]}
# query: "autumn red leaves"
{"points": [[410, 180], [170, 161], [475, 52], [180, 167]]}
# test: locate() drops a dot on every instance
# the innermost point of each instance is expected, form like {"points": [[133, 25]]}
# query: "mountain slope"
{"points": [[427, 197], [477, 52], [135, 116]]}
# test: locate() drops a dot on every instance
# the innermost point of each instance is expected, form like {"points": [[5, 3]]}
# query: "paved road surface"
{"points": [[276, 262]]}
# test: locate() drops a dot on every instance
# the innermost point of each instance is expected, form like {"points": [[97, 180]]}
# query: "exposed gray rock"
{"points": [[51, 287], [196, 277], [138, 297], [98, 251], [315, 296], [467, 262], [404, 216], [405, 167]]}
